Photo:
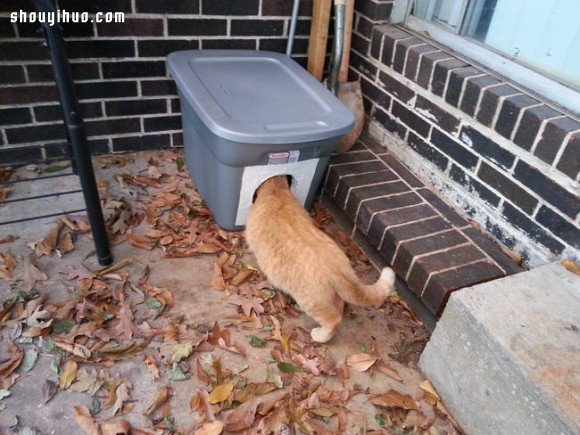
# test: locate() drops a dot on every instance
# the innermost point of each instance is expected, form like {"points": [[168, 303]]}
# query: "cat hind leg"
{"points": [[329, 320]]}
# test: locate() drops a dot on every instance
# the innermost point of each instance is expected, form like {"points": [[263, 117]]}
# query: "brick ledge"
{"points": [[430, 246]]}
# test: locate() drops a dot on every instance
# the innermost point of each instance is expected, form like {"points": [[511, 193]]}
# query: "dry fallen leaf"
{"points": [[8, 239], [7, 382], [47, 244], [163, 295], [360, 362], [241, 277], [7, 265], [49, 390], [124, 328], [515, 256], [221, 393], [571, 266], [68, 374], [415, 419], [32, 274], [87, 381], [65, 244], [115, 351], [85, 421], [252, 390], [78, 224], [243, 416], [75, 348], [6, 173], [431, 396], [141, 242], [113, 267], [247, 304], [175, 352], [4, 191], [394, 399], [151, 366], [278, 335], [307, 364], [161, 397], [7, 366], [388, 370], [217, 280], [118, 427], [194, 402], [121, 395], [210, 428], [114, 159]]}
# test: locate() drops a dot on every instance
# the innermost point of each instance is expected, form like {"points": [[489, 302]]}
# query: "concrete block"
{"points": [[505, 356]]}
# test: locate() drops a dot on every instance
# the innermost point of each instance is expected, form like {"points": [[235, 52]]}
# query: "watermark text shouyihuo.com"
{"points": [[62, 16]]}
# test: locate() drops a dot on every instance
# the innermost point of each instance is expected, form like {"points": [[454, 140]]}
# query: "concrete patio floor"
{"points": [[389, 339]]}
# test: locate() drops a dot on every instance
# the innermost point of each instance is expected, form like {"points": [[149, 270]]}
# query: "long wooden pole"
{"points": [[318, 37]]}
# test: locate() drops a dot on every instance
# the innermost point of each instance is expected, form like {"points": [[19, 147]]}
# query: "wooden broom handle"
{"points": [[348, 23], [318, 37]]}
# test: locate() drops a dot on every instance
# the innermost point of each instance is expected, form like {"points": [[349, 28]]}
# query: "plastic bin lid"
{"points": [[257, 96]]}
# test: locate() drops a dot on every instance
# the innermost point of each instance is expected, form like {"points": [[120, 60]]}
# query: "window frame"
{"points": [[540, 83]]}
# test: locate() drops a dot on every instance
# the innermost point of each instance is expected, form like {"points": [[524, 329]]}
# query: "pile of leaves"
{"points": [[115, 314]]}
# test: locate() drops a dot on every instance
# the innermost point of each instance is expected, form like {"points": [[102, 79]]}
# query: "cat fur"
{"points": [[304, 262]]}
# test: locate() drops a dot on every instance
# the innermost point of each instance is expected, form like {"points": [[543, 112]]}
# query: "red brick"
{"points": [[371, 206], [401, 170], [413, 248], [433, 263], [426, 67], [493, 250], [349, 182], [490, 101], [447, 212], [400, 216], [398, 234], [359, 194], [441, 285], [352, 157], [27, 94], [336, 172], [132, 27], [553, 137], [367, 140], [413, 59]]}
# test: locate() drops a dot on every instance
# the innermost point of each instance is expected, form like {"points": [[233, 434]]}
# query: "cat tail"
{"points": [[355, 293]]}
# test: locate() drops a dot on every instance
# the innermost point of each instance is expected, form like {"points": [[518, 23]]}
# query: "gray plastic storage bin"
{"points": [[250, 115]]}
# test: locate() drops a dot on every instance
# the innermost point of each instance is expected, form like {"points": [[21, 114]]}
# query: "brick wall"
{"points": [[505, 156], [509, 158], [128, 101]]}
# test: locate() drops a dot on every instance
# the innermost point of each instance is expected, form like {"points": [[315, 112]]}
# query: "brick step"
{"points": [[430, 246]]}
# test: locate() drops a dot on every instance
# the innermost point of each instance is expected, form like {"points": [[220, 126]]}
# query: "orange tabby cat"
{"points": [[304, 262]]}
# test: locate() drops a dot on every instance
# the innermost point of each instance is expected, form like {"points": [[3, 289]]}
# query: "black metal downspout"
{"points": [[74, 125]]}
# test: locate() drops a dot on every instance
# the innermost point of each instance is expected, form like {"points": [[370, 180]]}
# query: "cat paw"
{"points": [[321, 334]]}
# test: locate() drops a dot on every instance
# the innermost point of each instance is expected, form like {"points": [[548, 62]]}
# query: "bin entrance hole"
{"points": [[290, 179]]}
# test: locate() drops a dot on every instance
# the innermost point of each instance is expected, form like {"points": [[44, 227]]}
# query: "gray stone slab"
{"points": [[41, 207], [505, 356], [43, 187]]}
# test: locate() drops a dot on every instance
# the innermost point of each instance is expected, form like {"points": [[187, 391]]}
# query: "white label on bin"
{"points": [[283, 157]]}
